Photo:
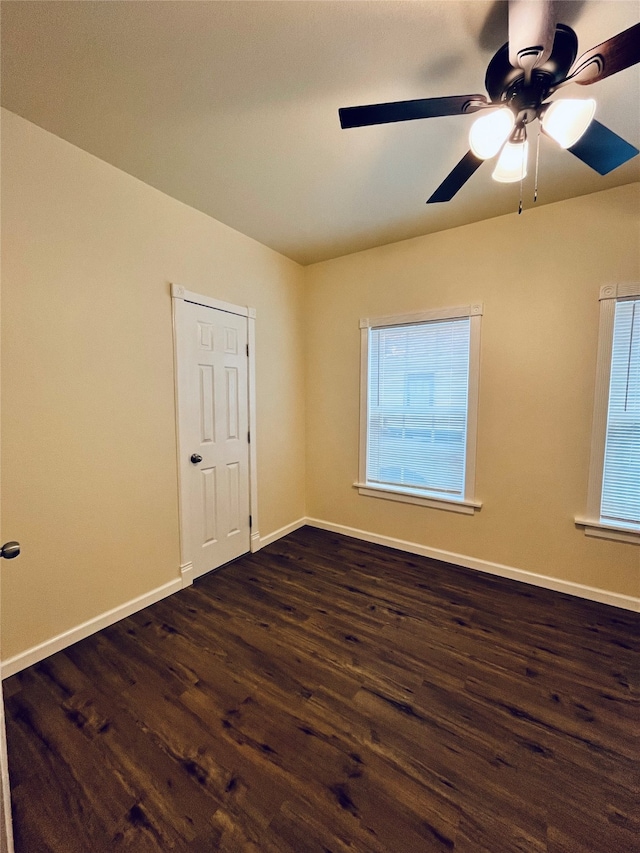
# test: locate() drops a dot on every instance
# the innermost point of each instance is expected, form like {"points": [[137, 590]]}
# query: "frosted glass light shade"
{"points": [[489, 132], [512, 162], [567, 119]]}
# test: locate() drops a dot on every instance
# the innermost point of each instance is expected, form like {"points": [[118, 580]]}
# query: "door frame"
{"points": [[179, 296], [6, 817], [6, 829]]}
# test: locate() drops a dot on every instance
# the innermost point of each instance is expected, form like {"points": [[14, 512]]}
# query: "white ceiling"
{"points": [[232, 107]]}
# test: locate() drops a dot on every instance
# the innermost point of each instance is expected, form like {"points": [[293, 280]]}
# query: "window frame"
{"points": [[610, 295], [467, 504]]}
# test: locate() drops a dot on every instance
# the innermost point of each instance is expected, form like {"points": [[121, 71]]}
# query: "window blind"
{"points": [[418, 380], [621, 475]]}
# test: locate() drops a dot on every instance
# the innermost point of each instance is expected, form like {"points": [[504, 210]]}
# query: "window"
{"points": [[419, 390], [613, 502]]}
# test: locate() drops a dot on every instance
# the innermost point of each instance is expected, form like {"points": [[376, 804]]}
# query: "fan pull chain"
{"points": [[523, 170], [535, 189], [520, 202], [521, 183]]}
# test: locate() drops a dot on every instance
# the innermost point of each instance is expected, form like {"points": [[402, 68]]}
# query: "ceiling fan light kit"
{"points": [[489, 132], [512, 163], [567, 119], [564, 120], [538, 59]]}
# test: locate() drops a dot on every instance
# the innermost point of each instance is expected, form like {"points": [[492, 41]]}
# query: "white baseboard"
{"points": [[283, 531], [80, 632], [187, 574], [603, 596]]}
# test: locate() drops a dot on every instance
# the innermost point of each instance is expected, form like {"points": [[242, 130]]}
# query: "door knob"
{"points": [[195, 458], [10, 550]]}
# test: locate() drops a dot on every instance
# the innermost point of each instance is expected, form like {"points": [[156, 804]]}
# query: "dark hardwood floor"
{"points": [[330, 695]]}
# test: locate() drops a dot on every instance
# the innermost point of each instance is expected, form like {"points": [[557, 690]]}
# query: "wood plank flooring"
{"points": [[331, 696]]}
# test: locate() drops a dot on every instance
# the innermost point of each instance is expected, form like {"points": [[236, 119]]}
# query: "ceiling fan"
{"points": [[538, 59]]}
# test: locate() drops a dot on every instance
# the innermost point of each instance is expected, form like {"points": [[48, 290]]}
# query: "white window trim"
{"points": [[593, 526], [468, 505]]}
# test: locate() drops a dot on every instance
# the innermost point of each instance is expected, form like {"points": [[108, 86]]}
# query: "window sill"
{"points": [[410, 497], [601, 530]]}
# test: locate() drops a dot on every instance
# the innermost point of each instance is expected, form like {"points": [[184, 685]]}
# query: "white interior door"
{"points": [[213, 422]]}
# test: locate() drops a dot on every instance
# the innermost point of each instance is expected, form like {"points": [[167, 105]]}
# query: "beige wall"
{"points": [[89, 463], [538, 276]]}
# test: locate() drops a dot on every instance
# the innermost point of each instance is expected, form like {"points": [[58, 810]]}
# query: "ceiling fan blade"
{"points": [[407, 110], [532, 27], [602, 149], [456, 178], [615, 54]]}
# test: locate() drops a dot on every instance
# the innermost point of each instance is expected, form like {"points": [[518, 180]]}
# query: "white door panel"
{"points": [[211, 348]]}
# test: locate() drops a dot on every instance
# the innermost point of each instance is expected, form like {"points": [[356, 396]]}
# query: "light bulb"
{"points": [[512, 163], [489, 132], [567, 119]]}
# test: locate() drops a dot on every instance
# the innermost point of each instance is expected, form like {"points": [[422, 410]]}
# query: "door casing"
{"points": [[179, 295], [6, 827], [6, 830]]}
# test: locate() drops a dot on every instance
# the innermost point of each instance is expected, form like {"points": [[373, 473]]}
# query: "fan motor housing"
{"points": [[506, 84], [525, 100]]}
